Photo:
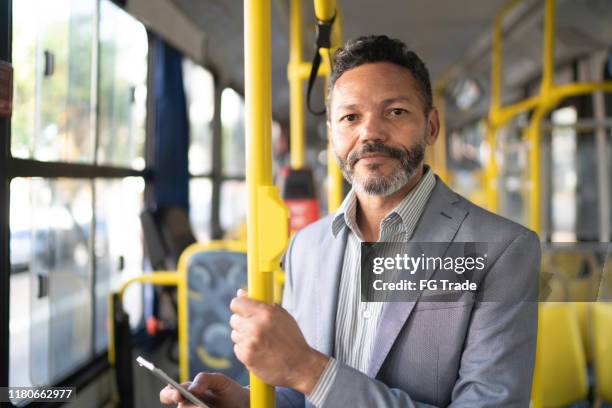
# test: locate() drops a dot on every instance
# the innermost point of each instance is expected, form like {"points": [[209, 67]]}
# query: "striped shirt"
{"points": [[356, 321]]}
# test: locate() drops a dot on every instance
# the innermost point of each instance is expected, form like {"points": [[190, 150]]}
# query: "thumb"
{"points": [[204, 382]]}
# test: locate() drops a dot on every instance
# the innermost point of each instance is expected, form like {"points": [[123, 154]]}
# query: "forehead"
{"points": [[374, 83]]}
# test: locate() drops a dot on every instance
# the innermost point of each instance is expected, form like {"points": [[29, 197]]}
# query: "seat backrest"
{"points": [[602, 349], [563, 372], [584, 313], [214, 276], [167, 233], [176, 229]]}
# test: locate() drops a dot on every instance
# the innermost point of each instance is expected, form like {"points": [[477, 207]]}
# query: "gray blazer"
{"points": [[468, 354]]}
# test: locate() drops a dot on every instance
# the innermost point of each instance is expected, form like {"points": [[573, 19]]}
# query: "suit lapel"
{"points": [[328, 281], [439, 223]]}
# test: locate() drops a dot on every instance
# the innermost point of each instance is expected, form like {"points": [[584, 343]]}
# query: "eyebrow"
{"points": [[385, 102], [397, 99]]}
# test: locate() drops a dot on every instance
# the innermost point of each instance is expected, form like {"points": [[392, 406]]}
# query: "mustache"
{"points": [[375, 147]]}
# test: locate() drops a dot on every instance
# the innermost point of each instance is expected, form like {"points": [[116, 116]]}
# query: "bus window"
{"points": [[75, 231], [200, 201], [21, 247], [233, 204], [232, 131], [58, 324], [511, 154], [200, 94], [118, 248], [52, 119], [122, 85], [563, 173]]}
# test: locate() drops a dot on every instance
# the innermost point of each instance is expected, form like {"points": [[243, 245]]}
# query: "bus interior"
{"points": [[125, 139]]}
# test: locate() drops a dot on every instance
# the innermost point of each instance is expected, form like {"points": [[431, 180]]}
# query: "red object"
{"points": [[302, 211], [154, 325]]}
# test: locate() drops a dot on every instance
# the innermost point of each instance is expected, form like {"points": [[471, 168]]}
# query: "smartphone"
{"points": [[166, 378]]}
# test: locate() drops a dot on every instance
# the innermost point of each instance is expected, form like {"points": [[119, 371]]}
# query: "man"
{"points": [[325, 347]]}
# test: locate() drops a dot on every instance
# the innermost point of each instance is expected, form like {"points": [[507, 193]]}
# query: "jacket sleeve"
{"points": [[498, 357], [288, 397]]}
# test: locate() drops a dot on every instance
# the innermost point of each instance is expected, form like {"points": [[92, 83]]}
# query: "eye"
{"points": [[351, 117], [397, 111]]}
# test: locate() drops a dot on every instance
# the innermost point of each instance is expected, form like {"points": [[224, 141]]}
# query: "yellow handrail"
{"points": [[296, 88], [267, 217], [297, 71], [157, 278], [179, 279], [550, 96]]}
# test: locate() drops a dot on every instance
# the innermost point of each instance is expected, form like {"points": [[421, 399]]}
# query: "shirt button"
{"points": [[367, 314]]}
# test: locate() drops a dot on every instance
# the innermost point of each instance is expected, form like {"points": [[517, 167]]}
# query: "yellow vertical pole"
{"points": [[334, 174], [534, 137], [490, 172], [183, 330], [494, 121], [549, 48], [548, 102], [267, 217], [325, 10], [296, 87], [437, 152]]}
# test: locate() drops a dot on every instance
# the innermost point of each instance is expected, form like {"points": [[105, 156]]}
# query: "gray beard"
{"points": [[383, 186]]}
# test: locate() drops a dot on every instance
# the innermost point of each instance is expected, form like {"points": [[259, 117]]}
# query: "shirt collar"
{"points": [[345, 215]]}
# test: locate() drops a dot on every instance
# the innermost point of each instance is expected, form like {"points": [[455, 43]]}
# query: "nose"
{"points": [[372, 129]]}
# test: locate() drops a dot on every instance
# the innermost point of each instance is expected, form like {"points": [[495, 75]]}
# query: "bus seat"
{"points": [[602, 350], [214, 276], [577, 271], [563, 372], [583, 311], [167, 233]]}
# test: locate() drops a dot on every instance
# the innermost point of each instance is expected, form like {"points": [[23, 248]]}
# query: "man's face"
{"points": [[378, 127]]}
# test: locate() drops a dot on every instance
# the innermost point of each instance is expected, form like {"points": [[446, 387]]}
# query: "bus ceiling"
{"points": [[454, 39]]}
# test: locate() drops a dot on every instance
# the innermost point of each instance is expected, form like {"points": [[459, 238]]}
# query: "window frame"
{"points": [[11, 167]]}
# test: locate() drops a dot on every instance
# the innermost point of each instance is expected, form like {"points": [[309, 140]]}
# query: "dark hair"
{"points": [[380, 48]]}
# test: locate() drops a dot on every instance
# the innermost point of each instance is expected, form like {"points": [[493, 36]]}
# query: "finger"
{"points": [[242, 293], [243, 325], [237, 337], [203, 383], [245, 306], [170, 395]]}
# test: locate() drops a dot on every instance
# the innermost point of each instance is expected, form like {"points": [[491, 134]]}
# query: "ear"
{"points": [[433, 127]]}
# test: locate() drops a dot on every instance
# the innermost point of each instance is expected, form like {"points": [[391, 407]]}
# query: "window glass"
{"points": [[21, 248], [50, 330], [200, 198], [199, 90], [53, 45], [122, 88], [564, 175], [233, 205], [232, 132], [511, 153], [118, 249]]}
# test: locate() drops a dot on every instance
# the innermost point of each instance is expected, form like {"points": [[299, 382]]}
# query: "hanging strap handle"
{"points": [[324, 29]]}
